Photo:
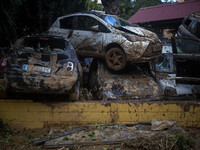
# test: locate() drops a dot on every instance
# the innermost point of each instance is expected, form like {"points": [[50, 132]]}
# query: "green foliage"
{"points": [[5, 133], [98, 126], [7, 24], [137, 4], [2, 86], [91, 135], [183, 141], [129, 7], [25, 17], [92, 5], [126, 9]]}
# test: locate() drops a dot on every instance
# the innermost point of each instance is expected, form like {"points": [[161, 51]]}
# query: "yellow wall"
{"points": [[29, 115]]}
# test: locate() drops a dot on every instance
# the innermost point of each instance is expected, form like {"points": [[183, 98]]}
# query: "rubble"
{"points": [[133, 84], [143, 135]]}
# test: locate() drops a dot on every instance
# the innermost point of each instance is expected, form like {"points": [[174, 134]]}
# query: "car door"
{"points": [[64, 27], [87, 37]]}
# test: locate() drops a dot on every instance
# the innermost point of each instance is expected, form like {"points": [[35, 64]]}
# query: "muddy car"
{"points": [[178, 72], [190, 26], [42, 64], [99, 35], [134, 83]]}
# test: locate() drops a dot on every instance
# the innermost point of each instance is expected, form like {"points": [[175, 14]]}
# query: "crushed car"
{"points": [[177, 71], [134, 83], [42, 64], [190, 26], [99, 35]]}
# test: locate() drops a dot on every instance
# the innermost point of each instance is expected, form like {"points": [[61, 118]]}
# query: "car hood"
{"points": [[141, 32]]}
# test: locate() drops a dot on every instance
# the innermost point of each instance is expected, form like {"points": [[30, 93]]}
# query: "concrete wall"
{"points": [[28, 114]]}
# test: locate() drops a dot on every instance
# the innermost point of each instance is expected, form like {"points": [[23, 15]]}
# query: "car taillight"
{"points": [[70, 66], [4, 63]]}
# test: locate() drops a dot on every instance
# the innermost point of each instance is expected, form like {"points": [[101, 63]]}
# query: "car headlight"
{"points": [[70, 66]]}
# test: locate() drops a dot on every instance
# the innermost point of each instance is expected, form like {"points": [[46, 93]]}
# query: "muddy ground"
{"points": [[140, 136]]}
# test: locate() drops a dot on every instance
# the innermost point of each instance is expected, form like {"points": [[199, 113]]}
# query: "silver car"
{"points": [[100, 35]]}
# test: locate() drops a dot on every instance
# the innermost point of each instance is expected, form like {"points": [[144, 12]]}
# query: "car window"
{"points": [[186, 45], [86, 23], [43, 45], [164, 63], [67, 23]]}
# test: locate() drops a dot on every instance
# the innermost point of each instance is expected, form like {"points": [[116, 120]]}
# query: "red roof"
{"points": [[165, 12]]}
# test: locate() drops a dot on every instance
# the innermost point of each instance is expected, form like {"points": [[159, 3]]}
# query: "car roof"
{"points": [[92, 12], [195, 15], [44, 36]]}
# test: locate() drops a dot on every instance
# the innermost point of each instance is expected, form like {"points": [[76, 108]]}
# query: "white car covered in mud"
{"points": [[106, 36]]}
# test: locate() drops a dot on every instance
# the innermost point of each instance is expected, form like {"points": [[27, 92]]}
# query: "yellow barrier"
{"points": [[28, 114]]}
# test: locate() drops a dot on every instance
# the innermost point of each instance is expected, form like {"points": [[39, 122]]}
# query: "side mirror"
{"points": [[95, 28]]}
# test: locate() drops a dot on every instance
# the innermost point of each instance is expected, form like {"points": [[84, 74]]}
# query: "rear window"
{"points": [[43, 44]]}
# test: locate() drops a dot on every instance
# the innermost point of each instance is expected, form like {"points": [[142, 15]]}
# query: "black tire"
{"points": [[74, 96], [115, 59]]}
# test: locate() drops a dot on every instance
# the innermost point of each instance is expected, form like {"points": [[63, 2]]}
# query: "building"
{"points": [[166, 15]]}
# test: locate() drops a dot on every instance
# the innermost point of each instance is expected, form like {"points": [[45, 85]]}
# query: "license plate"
{"points": [[36, 68]]}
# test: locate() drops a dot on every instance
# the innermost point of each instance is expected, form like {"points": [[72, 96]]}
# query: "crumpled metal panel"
{"points": [[135, 83], [42, 72]]}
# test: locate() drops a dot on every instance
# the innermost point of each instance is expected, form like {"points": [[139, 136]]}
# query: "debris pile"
{"points": [[146, 135]]}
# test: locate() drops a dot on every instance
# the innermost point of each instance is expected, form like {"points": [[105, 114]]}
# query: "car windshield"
{"points": [[116, 21]]}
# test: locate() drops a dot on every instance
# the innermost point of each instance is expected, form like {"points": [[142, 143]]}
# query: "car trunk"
{"points": [[35, 63]]}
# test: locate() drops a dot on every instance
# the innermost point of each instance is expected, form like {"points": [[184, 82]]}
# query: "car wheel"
{"points": [[116, 59], [75, 93]]}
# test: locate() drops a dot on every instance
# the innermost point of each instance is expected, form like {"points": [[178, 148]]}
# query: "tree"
{"points": [[137, 4], [7, 24], [92, 5], [126, 8], [23, 17], [129, 7]]}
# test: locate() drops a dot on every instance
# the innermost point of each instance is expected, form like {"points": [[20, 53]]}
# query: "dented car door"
{"points": [[87, 36]]}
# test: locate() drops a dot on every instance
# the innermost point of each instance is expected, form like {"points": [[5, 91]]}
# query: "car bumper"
{"points": [[55, 84]]}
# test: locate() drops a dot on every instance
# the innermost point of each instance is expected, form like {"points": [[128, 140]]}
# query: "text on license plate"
{"points": [[36, 68]]}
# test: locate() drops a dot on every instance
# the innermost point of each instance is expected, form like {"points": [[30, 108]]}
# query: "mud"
{"points": [[42, 69], [134, 83], [124, 136], [139, 45]]}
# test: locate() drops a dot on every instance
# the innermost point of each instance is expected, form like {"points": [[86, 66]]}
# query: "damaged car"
{"points": [[99, 35], [190, 26], [42, 64], [134, 83], [178, 72]]}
